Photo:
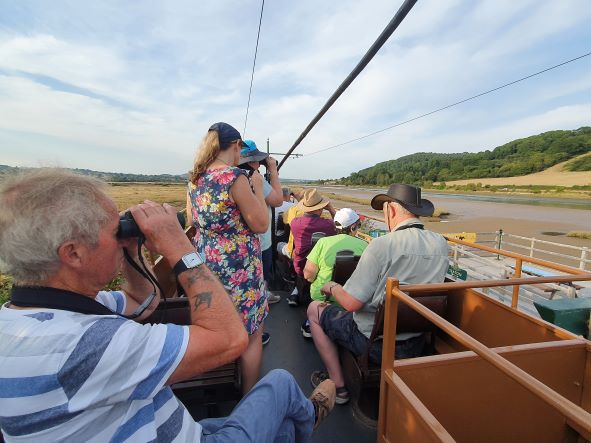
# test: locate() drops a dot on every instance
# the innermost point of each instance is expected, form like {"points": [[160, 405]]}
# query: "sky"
{"points": [[133, 86]]}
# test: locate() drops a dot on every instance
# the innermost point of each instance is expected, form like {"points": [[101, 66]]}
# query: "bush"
{"points": [[440, 212], [580, 234], [5, 287]]}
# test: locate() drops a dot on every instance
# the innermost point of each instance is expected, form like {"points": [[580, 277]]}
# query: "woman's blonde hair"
{"points": [[206, 154]]}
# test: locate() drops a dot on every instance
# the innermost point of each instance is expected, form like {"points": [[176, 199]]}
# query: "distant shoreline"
{"points": [[572, 194]]}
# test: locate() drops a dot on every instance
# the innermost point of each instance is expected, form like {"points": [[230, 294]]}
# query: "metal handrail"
{"points": [[583, 259], [538, 240], [577, 417], [544, 251], [517, 256]]}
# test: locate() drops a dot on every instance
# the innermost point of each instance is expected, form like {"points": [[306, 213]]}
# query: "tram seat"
{"points": [[301, 283], [282, 229], [362, 376], [217, 385], [345, 263], [315, 237]]}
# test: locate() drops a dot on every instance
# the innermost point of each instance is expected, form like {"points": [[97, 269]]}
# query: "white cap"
{"points": [[345, 217]]}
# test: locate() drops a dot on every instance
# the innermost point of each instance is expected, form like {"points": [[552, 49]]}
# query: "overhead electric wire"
{"points": [[254, 62], [372, 51], [449, 106]]}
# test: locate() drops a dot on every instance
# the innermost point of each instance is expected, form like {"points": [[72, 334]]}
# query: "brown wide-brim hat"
{"points": [[407, 196], [312, 201]]}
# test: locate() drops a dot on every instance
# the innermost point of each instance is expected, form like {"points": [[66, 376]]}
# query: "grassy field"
{"points": [[129, 194]]}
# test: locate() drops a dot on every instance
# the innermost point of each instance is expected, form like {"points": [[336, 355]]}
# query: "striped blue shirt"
{"points": [[67, 376]]}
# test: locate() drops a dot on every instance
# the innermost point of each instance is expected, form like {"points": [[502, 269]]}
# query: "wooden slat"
{"points": [[418, 424], [440, 287], [578, 418]]}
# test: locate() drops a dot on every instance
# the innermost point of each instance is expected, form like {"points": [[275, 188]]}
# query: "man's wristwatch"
{"points": [[188, 261]]}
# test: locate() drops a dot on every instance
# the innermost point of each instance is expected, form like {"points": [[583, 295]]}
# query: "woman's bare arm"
{"points": [[251, 204]]}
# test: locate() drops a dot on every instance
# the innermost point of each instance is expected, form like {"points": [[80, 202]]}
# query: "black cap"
{"points": [[226, 133]]}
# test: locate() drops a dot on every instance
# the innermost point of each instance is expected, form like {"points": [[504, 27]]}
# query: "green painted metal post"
{"points": [[499, 241]]}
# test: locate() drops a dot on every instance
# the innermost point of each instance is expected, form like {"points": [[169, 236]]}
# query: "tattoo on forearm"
{"points": [[202, 299], [199, 274]]}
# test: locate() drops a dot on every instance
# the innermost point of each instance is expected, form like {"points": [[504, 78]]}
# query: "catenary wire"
{"points": [[449, 106], [254, 62], [369, 55]]}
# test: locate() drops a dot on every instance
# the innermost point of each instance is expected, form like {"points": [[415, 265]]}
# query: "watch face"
{"points": [[192, 260]]}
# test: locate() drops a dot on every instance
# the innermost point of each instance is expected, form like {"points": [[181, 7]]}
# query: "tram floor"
{"points": [[289, 350]]}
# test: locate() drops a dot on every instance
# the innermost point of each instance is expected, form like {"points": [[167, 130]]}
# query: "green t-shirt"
{"points": [[324, 255]]}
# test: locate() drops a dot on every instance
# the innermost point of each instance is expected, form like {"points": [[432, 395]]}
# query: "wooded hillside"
{"points": [[519, 157], [112, 176]]}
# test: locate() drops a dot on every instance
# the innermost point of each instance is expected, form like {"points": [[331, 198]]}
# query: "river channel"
{"points": [[540, 217]]}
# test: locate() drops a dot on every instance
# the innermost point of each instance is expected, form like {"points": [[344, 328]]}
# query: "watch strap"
{"points": [[180, 266]]}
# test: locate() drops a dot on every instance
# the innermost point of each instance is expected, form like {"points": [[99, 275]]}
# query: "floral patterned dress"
{"points": [[231, 249]]}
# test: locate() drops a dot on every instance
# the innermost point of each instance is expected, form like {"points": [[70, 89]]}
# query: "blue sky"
{"points": [[133, 86]]}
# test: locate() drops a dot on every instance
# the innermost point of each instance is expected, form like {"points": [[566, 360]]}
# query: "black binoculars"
{"points": [[128, 228]]}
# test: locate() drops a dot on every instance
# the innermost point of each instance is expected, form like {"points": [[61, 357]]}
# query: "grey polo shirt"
{"points": [[410, 255]]}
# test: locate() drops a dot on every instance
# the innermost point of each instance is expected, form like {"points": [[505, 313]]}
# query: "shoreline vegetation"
{"points": [[574, 192], [565, 152]]}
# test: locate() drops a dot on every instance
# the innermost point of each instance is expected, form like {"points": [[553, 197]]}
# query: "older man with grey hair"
{"points": [[76, 367]]}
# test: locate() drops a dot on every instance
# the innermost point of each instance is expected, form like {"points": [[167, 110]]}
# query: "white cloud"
{"points": [[142, 82]]}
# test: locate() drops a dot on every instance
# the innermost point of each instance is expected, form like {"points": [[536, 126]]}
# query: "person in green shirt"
{"points": [[321, 260]]}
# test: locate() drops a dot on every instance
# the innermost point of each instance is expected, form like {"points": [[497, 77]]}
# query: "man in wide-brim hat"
{"points": [[409, 253], [409, 197]]}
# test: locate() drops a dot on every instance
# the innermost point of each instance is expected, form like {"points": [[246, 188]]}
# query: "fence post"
{"points": [[515, 298], [531, 247], [583, 258], [499, 241]]}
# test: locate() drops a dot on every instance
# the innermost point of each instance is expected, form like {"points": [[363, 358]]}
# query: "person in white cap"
{"points": [[321, 260]]}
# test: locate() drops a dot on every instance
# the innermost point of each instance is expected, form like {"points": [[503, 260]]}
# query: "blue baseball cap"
{"points": [[226, 133], [250, 153]]}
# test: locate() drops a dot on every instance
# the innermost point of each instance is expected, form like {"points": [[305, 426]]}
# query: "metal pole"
{"points": [[531, 248], [583, 258], [499, 241], [273, 235], [372, 51]]}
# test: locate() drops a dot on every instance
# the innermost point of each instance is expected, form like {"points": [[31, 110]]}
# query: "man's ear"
{"points": [[70, 254]]}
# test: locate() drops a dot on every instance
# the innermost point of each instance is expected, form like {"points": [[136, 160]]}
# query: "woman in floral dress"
{"points": [[228, 209]]}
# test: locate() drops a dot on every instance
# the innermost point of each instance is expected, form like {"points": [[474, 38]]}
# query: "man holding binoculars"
{"points": [[76, 368]]}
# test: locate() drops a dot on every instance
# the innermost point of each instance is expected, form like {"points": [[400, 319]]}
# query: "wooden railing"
{"points": [[576, 417], [519, 260]]}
